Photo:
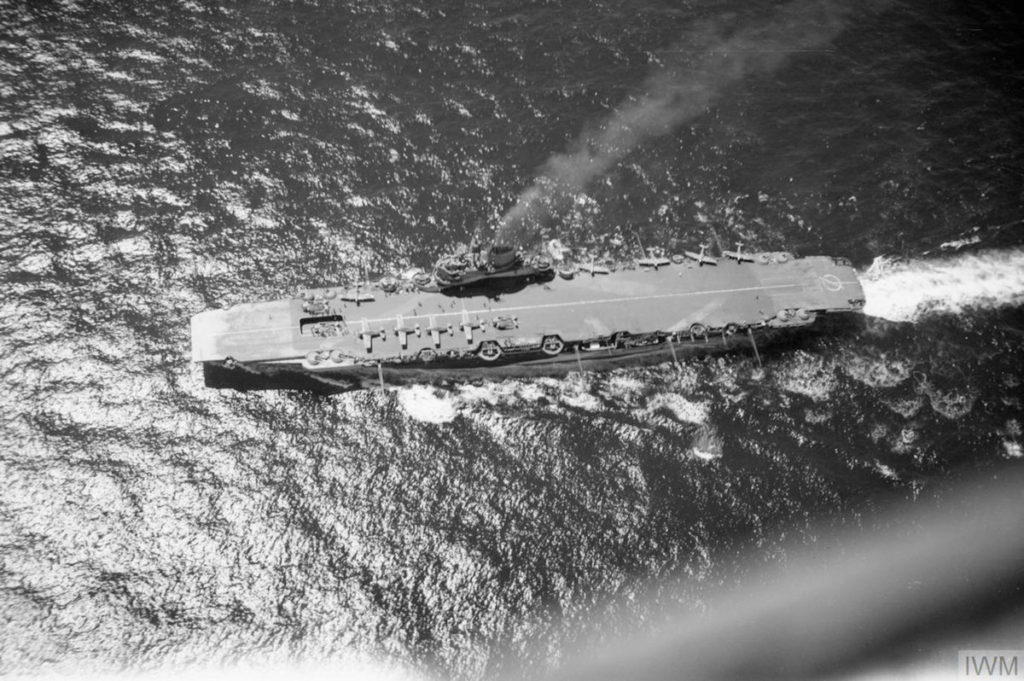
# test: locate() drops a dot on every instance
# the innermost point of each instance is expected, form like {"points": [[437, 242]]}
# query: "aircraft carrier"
{"points": [[503, 314]]}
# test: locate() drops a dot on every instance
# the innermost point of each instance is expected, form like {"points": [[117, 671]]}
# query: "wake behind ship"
{"points": [[498, 313]]}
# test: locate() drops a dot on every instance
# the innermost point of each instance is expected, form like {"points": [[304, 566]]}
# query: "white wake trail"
{"points": [[903, 291]]}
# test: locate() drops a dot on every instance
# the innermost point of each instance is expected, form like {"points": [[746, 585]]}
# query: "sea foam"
{"points": [[905, 291], [422, 403], [684, 410]]}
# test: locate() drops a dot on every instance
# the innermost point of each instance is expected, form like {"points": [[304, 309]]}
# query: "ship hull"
{"points": [[764, 342], [332, 340]]}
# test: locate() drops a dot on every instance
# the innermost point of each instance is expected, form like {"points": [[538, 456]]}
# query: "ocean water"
{"points": [[156, 161]]}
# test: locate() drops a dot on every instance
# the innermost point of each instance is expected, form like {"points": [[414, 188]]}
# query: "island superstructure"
{"points": [[503, 313]]}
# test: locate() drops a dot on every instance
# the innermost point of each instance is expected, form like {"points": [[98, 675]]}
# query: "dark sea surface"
{"points": [[159, 159]]}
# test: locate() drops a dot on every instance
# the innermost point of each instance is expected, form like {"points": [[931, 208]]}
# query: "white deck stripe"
{"points": [[460, 312]]}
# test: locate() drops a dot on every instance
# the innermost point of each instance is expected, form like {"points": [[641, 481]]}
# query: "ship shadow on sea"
{"points": [[770, 343]]}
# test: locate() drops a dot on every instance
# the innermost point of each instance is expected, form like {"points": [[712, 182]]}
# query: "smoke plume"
{"points": [[679, 92]]}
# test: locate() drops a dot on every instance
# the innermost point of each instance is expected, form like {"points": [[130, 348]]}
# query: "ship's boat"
{"points": [[500, 313], [567, 271]]}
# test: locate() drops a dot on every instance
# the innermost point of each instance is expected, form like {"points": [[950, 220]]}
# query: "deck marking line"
{"points": [[682, 294]]}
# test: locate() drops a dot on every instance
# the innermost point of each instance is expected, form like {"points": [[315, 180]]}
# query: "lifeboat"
{"points": [[567, 271]]}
